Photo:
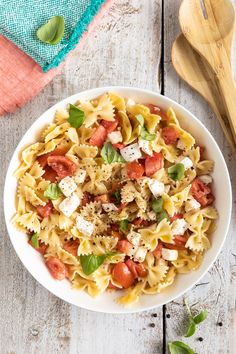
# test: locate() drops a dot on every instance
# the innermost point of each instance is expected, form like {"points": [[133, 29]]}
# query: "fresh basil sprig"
{"points": [[178, 347], [176, 172], [34, 240], [52, 31], [144, 134], [123, 225], [52, 192], [110, 155], [91, 262], [157, 205], [194, 320], [162, 215], [117, 196], [76, 116]]}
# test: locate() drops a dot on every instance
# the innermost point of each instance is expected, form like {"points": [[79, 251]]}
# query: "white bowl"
{"points": [[105, 302]]}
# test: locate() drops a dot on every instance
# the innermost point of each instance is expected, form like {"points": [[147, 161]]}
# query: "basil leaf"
{"points": [[145, 135], [191, 328], [178, 347], [200, 317], [117, 196], [140, 119], [162, 215], [176, 172], [157, 205], [52, 192], [76, 116], [123, 225], [34, 240], [52, 31], [91, 262], [110, 155]]}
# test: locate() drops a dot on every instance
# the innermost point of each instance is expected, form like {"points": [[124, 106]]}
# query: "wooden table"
{"points": [[130, 46]]}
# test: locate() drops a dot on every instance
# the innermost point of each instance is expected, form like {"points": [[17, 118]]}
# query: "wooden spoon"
{"points": [[208, 25], [193, 69]]}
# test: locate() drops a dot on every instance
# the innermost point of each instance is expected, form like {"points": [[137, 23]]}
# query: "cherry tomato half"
{"points": [[56, 268], [123, 275]]}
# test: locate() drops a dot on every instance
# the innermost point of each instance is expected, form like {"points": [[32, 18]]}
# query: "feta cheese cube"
{"points": [[107, 207], [169, 255], [156, 187], [146, 146], [84, 226], [206, 179], [131, 153], [187, 162], [130, 102], [191, 204], [179, 227], [180, 145], [80, 176], [69, 205], [140, 254], [134, 238], [132, 251], [67, 186], [152, 215], [115, 137]]}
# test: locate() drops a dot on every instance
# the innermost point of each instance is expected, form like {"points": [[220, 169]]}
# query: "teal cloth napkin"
{"points": [[20, 19]]}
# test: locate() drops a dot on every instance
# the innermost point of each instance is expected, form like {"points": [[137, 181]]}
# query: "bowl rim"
{"points": [[96, 92]]}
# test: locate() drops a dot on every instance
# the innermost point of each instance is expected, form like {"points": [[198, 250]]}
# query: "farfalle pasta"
{"points": [[116, 195]]}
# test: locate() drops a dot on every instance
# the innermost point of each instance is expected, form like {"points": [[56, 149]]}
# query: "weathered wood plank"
{"points": [[217, 291], [124, 49]]}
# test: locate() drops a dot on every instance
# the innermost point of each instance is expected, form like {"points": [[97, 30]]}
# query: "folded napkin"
{"points": [[20, 19], [21, 77]]}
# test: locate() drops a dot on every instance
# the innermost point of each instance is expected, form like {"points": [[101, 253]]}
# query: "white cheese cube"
{"points": [[191, 204], [130, 102], [131, 153], [134, 238], [187, 162], [146, 146], [84, 226], [132, 251], [107, 207], [169, 255], [179, 227], [206, 179], [156, 187], [69, 205], [140, 254], [67, 186], [180, 145], [152, 215], [115, 137], [80, 176]]}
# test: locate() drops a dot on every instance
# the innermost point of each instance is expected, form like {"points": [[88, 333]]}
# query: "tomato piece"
{"points": [[176, 216], [87, 198], [178, 247], [118, 146], [62, 165], [134, 170], [122, 206], [170, 135], [124, 246], [71, 247], [50, 174], [141, 270], [43, 159], [45, 211], [202, 150], [110, 126], [123, 275], [201, 192], [153, 164], [115, 227], [56, 268], [103, 198], [179, 242], [158, 250], [99, 136], [153, 108], [112, 286], [132, 267], [140, 222], [116, 234], [42, 247]]}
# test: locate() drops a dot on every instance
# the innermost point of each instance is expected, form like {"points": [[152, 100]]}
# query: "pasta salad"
{"points": [[116, 195]]}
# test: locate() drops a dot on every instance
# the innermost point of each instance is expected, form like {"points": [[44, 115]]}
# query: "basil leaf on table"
{"points": [[34, 240], [52, 192], [191, 328], [194, 320], [91, 262], [76, 116], [110, 155], [52, 31], [157, 205], [123, 225], [176, 172], [178, 347], [200, 317]]}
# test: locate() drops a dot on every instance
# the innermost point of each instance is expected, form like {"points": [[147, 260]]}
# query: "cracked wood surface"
{"points": [[124, 49]]}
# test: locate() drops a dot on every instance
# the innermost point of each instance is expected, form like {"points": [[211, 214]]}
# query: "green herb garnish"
{"points": [[176, 172], [52, 31], [144, 134], [194, 320], [123, 225], [91, 262], [162, 215], [76, 116], [117, 196], [52, 192], [178, 347], [34, 240], [110, 155], [157, 205]]}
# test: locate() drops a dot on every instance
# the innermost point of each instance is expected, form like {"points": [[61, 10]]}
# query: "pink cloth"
{"points": [[21, 77]]}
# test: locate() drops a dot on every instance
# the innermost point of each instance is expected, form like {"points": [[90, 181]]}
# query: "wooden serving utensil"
{"points": [[208, 25], [194, 70]]}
